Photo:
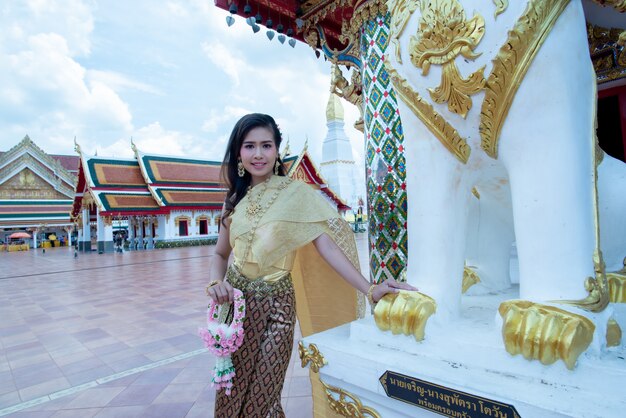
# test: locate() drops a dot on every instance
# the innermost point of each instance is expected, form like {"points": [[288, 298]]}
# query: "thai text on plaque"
{"points": [[443, 400]]}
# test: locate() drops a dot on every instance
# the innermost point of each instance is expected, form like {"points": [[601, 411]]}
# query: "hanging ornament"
{"points": [[281, 38], [230, 20], [292, 43], [270, 34]]}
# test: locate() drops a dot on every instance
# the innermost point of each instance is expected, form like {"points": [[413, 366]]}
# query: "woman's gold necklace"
{"points": [[255, 210]]}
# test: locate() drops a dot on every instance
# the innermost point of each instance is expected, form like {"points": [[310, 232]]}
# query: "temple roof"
{"points": [[156, 184], [184, 182], [301, 167], [330, 25], [41, 167]]}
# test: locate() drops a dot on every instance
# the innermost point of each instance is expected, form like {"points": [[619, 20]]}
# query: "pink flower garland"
{"points": [[222, 340]]}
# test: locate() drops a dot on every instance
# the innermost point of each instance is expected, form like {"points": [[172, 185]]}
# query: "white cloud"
{"points": [[225, 59], [118, 81]]}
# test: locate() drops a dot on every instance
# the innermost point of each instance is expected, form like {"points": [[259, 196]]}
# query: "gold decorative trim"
{"points": [[544, 333], [445, 33], [401, 11], [311, 355], [501, 6], [435, 123], [404, 313], [182, 218], [510, 67], [607, 47], [613, 333], [363, 13], [476, 193], [470, 278], [348, 404]]}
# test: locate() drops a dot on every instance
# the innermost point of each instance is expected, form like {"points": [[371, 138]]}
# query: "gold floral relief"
{"points": [[401, 11], [510, 67], [424, 111], [444, 34]]}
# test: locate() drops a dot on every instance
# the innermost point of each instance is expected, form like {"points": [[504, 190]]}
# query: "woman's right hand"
{"points": [[220, 293]]}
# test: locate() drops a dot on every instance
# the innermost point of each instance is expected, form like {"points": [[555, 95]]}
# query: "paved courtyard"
{"points": [[113, 335]]}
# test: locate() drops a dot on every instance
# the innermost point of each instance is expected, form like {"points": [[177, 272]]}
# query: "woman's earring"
{"points": [[276, 166], [240, 170]]}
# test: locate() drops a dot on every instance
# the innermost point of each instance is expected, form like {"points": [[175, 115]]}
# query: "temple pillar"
{"points": [[385, 160], [35, 239], [68, 231], [132, 221], [104, 233], [84, 244], [150, 238], [140, 233]]}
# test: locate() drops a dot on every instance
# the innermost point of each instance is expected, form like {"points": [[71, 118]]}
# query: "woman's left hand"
{"points": [[389, 286]]}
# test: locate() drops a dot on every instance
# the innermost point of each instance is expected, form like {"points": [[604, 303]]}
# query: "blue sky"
{"points": [[170, 74]]}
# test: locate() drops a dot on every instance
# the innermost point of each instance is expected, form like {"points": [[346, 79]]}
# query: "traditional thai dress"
{"points": [[275, 264]]}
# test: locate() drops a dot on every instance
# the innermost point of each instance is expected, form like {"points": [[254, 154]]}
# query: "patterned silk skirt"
{"points": [[261, 362]]}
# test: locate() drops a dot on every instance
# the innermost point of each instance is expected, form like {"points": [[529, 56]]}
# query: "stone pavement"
{"points": [[113, 335]]}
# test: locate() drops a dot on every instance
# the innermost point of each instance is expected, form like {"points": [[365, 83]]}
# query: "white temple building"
{"points": [[338, 165]]}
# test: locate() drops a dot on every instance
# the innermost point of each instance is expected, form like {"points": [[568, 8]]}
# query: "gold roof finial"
{"points": [[76, 146], [286, 150]]}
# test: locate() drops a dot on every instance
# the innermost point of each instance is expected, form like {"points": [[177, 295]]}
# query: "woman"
{"points": [[277, 227]]}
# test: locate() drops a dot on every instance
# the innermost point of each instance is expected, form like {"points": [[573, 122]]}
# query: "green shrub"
{"points": [[185, 243]]}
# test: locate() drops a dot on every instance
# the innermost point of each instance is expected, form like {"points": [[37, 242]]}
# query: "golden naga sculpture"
{"points": [[544, 333], [404, 313], [351, 91], [444, 34]]}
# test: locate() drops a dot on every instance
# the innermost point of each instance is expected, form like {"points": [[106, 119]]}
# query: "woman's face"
{"points": [[258, 154]]}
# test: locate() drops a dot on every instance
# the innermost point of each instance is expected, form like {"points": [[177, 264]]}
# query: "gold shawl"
{"points": [[297, 217]]}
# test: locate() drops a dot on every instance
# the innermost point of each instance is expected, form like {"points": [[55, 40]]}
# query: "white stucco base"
{"points": [[469, 356]]}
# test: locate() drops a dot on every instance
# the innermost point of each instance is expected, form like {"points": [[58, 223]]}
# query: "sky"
{"points": [[170, 74]]}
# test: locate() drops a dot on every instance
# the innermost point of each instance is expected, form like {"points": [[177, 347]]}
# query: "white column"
{"points": [[105, 234], [85, 243], [35, 239]]}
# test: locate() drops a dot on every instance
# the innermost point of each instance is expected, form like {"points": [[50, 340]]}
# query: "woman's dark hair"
{"points": [[238, 186]]}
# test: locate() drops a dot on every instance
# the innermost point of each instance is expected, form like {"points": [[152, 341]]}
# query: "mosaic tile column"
{"points": [[386, 167]]}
